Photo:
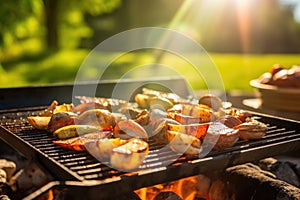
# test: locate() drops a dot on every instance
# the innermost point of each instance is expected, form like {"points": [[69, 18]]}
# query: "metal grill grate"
{"points": [[66, 165]]}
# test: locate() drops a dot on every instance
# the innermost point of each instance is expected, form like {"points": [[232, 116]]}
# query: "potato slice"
{"points": [[229, 120], [252, 129], [71, 131], [183, 143], [160, 103], [39, 122], [212, 101], [102, 149], [220, 136], [142, 100], [76, 143], [184, 119], [97, 117], [205, 113], [79, 143], [197, 130], [127, 129], [130, 155], [61, 119]]}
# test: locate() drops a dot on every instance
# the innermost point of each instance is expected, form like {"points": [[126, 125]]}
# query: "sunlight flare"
{"points": [[244, 23]]}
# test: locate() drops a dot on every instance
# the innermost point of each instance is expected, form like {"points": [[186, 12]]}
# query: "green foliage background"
{"points": [[61, 67], [27, 59]]}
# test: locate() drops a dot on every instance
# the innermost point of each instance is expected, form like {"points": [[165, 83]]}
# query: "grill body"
{"points": [[82, 176], [79, 171]]}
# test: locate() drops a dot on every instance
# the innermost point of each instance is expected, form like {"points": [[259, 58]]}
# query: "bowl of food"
{"points": [[280, 88]]}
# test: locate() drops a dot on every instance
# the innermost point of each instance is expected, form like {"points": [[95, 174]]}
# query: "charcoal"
{"points": [[167, 196], [8, 166], [6, 192], [3, 176], [4, 197], [286, 171], [248, 181]]}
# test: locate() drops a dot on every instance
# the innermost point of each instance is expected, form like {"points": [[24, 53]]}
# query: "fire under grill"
{"points": [[84, 176]]}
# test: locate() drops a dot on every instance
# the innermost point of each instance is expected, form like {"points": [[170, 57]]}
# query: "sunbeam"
{"points": [[243, 14]]}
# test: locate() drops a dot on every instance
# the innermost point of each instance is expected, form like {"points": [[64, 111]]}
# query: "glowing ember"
{"points": [[187, 188]]}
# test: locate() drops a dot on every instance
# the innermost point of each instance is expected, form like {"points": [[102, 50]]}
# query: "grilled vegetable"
{"points": [[203, 112], [197, 130], [160, 103], [88, 106], [49, 111], [212, 101], [76, 143], [242, 115], [105, 103], [184, 119], [183, 143], [56, 108], [156, 99], [140, 116], [192, 113], [142, 100], [79, 143], [71, 131], [156, 130], [130, 155], [61, 119], [172, 97], [252, 129], [97, 117], [220, 136], [39, 122], [127, 129], [64, 108], [229, 121], [102, 149]]}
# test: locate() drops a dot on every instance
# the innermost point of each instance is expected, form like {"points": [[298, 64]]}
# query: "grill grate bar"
{"points": [[48, 147], [43, 146], [73, 159], [41, 140], [86, 167], [240, 145], [55, 151], [61, 154], [280, 134]]}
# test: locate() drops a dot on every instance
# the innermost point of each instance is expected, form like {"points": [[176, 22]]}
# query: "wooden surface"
{"points": [[248, 101]]}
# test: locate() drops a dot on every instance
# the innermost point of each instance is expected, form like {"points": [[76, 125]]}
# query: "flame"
{"points": [[49, 195], [186, 188]]}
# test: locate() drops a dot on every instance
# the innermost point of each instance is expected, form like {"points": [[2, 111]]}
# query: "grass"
{"points": [[236, 70], [58, 67]]}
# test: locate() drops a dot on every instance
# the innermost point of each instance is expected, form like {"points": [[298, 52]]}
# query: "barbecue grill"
{"points": [[84, 177]]}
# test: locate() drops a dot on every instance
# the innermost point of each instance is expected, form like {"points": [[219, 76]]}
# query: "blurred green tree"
{"points": [[18, 19], [65, 18], [53, 21]]}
